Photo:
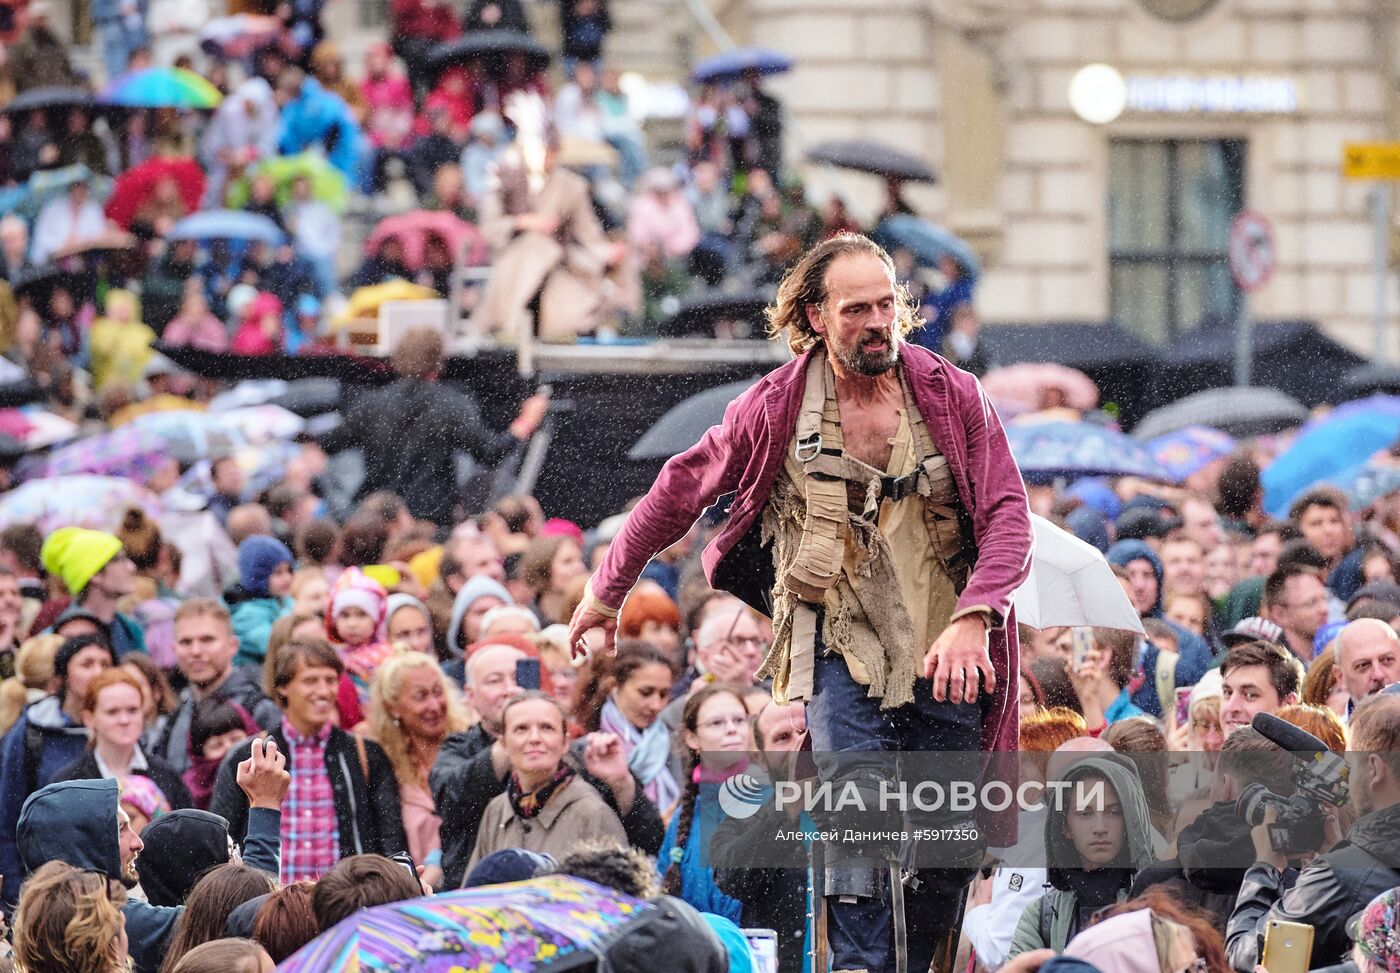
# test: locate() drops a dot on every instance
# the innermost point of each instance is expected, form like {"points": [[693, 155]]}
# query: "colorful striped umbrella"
{"points": [[162, 88], [553, 923]]}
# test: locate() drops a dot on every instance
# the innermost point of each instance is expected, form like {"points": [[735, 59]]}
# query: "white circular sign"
{"points": [[1252, 251], [1097, 93]]}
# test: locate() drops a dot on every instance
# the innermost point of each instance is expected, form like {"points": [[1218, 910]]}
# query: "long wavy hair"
{"points": [[603, 673], [68, 921], [804, 286], [386, 731]]}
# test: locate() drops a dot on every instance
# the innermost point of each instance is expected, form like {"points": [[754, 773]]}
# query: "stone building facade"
{"points": [[1080, 221]]}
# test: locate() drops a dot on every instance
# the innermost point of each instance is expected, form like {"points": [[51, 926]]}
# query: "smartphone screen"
{"points": [[1081, 644], [764, 943], [1183, 705], [527, 673]]}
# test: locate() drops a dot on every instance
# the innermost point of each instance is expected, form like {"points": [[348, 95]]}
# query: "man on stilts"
{"points": [[880, 521]]}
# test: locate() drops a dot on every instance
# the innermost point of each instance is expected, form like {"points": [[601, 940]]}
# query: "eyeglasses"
{"points": [[724, 722], [748, 641]]}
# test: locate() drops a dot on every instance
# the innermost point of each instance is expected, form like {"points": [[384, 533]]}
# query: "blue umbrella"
{"points": [[1190, 450], [1325, 450], [1367, 483], [1050, 450], [226, 224], [927, 241], [733, 64]]}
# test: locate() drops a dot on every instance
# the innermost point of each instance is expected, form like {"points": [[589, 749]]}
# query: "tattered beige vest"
{"points": [[880, 552]]}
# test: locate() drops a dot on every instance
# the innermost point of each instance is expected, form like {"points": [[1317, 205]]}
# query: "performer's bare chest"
{"points": [[866, 431]]}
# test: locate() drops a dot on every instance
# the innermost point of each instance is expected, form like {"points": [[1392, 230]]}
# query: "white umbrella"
{"points": [[1071, 584]]}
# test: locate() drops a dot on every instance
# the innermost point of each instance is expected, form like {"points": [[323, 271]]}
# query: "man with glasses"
{"points": [[1295, 600], [880, 521]]}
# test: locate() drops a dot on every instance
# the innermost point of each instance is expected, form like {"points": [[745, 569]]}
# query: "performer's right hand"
{"points": [[587, 618]]}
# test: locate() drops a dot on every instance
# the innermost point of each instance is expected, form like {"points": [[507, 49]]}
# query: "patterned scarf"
{"points": [[529, 805]]}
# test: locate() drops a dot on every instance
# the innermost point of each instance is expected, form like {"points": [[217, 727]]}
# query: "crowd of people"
{"points": [[531, 200], [223, 733], [400, 684]]}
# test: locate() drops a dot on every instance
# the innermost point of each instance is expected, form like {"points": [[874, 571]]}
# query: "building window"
{"points": [[1170, 204]]}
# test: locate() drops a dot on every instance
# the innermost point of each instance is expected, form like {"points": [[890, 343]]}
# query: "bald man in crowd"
{"points": [[1368, 658]]}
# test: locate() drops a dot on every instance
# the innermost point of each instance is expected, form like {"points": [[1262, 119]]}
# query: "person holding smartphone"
{"points": [[1100, 668]]}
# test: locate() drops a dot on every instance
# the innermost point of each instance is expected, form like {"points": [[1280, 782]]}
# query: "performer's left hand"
{"points": [[957, 658]]}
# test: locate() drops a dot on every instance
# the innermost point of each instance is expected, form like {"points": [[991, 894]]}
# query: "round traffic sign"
{"points": [[1252, 252]]}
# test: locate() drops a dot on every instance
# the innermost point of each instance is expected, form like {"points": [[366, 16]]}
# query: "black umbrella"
{"points": [[698, 313], [1369, 379], [489, 43], [309, 397], [877, 158], [683, 425], [49, 97], [37, 283], [1239, 411]]}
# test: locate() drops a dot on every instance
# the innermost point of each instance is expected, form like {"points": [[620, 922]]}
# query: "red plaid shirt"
{"points": [[310, 828]]}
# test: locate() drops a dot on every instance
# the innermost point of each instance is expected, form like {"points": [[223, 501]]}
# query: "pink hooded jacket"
{"points": [[745, 454]]}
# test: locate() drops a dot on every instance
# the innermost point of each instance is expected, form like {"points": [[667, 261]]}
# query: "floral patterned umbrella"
{"points": [[1190, 450], [1051, 450], [128, 452], [552, 923], [97, 502]]}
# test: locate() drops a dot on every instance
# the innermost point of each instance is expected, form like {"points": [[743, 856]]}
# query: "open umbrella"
{"points": [[413, 229], [111, 241], [1071, 584], [1025, 385], [682, 426], [131, 453], [553, 923], [226, 224], [1240, 412], [1190, 450], [876, 158], [162, 88], [36, 427], [47, 97], [240, 35], [327, 182], [191, 436], [698, 313], [489, 44], [1051, 450], [97, 502], [1325, 449], [135, 186], [261, 423], [928, 242], [730, 65]]}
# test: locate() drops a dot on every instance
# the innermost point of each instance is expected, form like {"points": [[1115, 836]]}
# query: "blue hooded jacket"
{"points": [[319, 117], [1195, 654], [47, 730], [75, 821], [697, 876]]}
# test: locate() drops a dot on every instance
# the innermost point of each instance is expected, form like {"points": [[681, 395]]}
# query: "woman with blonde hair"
{"points": [[412, 709], [33, 678], [70, 921]]}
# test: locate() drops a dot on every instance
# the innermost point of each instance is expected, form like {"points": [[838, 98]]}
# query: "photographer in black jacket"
{"points": [[1350, 872]]}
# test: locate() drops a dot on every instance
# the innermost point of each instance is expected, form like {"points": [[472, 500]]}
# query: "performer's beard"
{"points": [[871, 362]]}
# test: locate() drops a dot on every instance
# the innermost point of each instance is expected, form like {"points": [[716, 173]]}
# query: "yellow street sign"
{"points": [[1371, 160]]}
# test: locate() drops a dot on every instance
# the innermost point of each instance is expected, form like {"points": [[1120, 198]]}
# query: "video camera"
{"points": [[1319, 777]]}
